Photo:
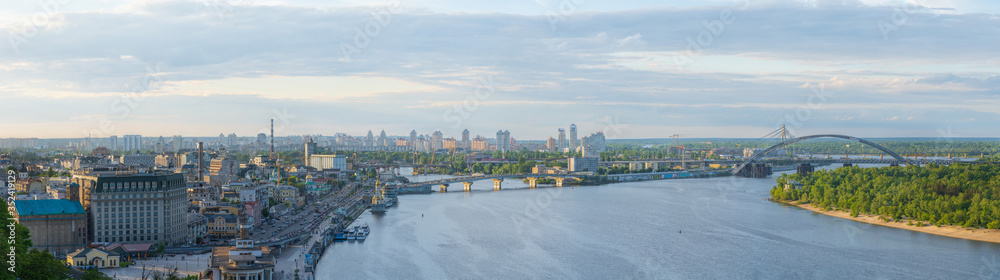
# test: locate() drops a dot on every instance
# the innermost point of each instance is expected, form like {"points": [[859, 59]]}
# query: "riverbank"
{"points": [[986, 235]]}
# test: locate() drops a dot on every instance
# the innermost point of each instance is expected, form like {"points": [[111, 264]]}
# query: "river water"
{"points": [[715, 228]]}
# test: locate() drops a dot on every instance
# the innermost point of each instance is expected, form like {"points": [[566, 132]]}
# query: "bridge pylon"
{"points": [[559, 181], [444, 187], [468, 186], [496, 183], [532, 182]]}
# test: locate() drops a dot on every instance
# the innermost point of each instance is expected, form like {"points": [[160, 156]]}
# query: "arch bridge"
{"points": [[741, 169]]}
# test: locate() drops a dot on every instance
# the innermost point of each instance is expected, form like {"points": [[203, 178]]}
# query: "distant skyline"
{"points": [[204, 67]]}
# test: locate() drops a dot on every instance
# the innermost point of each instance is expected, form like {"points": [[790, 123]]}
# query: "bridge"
{"points": [[758, 165], [497, 180]]}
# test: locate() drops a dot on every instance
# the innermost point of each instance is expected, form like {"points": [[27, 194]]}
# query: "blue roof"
{"points": [[48, 207]]}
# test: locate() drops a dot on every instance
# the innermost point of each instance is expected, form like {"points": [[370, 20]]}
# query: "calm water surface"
{"points": [[718, 228]]}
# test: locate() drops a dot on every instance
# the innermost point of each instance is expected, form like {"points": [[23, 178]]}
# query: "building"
{"points": [[413, 138], [594, 143], [562, 141], [261, 139], [133, 143], [480, 144], [165, 161], [450, 144], [402, 142], [551, 144], [113, 142], [137, 160], [245, 261], [369, 139], [224, 167], [466, 142], [437, 141], [310, 149], [221, 225], [30, 185], [232, 140], [93, 258], [133, 208], [323, 162], [584, 164], [56, 225], [286, 193], [101, 152], [542, 169], [197, 227], [573, 142], [382, 140]]}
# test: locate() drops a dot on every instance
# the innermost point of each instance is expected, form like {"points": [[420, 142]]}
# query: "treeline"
{"points": [[957, 194]]}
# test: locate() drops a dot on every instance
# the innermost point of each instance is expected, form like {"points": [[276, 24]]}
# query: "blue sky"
{"points": [[633, 69]]}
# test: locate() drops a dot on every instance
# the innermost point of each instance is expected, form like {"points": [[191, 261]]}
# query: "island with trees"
{"points": [[958, 200]]}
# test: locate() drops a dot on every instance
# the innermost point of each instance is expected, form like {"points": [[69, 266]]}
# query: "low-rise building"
{"points": [[197, 227], [93, 258], [286, 193], [57, 225], [542, 169]]}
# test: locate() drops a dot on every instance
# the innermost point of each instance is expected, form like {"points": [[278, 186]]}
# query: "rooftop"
{"points": [[48, 207]]}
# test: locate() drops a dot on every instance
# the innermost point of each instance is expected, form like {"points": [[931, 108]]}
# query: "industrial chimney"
{"points": [[201, 161]]}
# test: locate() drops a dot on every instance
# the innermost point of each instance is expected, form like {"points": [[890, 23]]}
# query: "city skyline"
{"points": [[631, 64]]}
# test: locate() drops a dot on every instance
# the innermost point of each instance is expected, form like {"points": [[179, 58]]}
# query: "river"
{"points": [[714, 228]]}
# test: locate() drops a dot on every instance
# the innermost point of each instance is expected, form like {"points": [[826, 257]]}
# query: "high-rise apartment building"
{"points": [[562, 140], [437, 141], [466, 142], [413, 138], [573, 142], [133, 143]]}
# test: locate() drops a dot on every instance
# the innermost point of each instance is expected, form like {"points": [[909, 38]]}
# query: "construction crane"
{"points": [[683, 153]]}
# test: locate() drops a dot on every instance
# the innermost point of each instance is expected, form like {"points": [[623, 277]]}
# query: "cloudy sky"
{"points": [[630, 68]]}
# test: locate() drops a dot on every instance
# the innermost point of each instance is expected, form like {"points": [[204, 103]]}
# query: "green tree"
{"points": [[42, 265], [93, 274]]}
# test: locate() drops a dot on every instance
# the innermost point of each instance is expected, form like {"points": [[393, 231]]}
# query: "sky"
{"points": [[631, 69]]}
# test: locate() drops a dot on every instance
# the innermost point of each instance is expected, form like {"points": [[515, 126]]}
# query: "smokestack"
{"points": [[201, 161]]}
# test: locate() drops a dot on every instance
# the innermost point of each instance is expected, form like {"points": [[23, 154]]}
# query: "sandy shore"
{"points": [[987, 235]]}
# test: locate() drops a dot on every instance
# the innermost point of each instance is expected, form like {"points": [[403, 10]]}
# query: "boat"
{"points": [[361, 236], [352, 236], [366, 229], [340, 237]]}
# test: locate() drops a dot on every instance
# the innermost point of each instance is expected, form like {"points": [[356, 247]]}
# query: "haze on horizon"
{"points": [[869, 68]]}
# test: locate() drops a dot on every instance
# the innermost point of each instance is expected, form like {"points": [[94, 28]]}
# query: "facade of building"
{"points": [[56, 225], [136, 208], [323, 162], [288, 194], [584, 164], [197, 227], [93, 258], [224, 167]]}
